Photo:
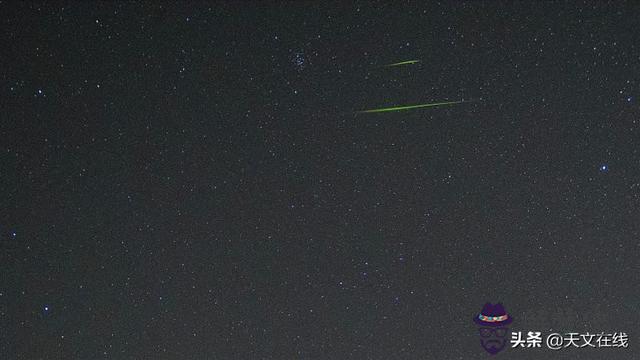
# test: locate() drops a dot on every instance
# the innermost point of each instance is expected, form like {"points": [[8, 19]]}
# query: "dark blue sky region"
{"points": [[184, 180]]}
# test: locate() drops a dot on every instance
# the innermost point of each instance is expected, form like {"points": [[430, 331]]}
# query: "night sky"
{"points": [[194, 181]]}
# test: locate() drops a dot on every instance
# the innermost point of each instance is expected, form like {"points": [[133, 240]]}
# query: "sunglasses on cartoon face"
{"points": [[488, 332]]}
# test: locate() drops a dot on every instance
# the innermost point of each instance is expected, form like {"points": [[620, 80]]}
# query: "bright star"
{"points": [[604, 168]]}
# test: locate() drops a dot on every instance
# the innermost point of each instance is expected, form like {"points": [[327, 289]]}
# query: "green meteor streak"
{"points": [[408, 62], [409, 107]]}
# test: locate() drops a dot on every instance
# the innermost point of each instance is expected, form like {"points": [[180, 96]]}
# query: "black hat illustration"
{"points": [[493, 315]]}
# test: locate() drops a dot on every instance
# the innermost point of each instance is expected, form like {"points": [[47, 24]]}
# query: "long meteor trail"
{"points": [[409, 107], [408, 62]]}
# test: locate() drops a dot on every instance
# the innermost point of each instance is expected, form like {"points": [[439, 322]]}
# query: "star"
{"points": [[299, 60], [604, 168]]}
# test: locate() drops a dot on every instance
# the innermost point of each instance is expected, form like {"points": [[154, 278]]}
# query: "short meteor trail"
{"points": [[408, 62], [409, 107]]}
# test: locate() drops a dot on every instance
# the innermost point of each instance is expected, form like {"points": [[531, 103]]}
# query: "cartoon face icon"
{"points": [[493, 321], [493, 339]]}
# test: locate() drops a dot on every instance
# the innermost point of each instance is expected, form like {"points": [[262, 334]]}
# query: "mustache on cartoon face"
{"points": [[493, 344]]}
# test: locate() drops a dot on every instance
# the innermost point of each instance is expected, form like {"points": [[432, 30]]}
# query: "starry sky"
{"points": [[192, 180]]}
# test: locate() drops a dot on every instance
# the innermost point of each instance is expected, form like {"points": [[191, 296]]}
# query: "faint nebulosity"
{"points": [[184, 180]]}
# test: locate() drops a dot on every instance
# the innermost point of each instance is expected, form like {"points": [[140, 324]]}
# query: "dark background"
{"points": [[191, 180]]}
